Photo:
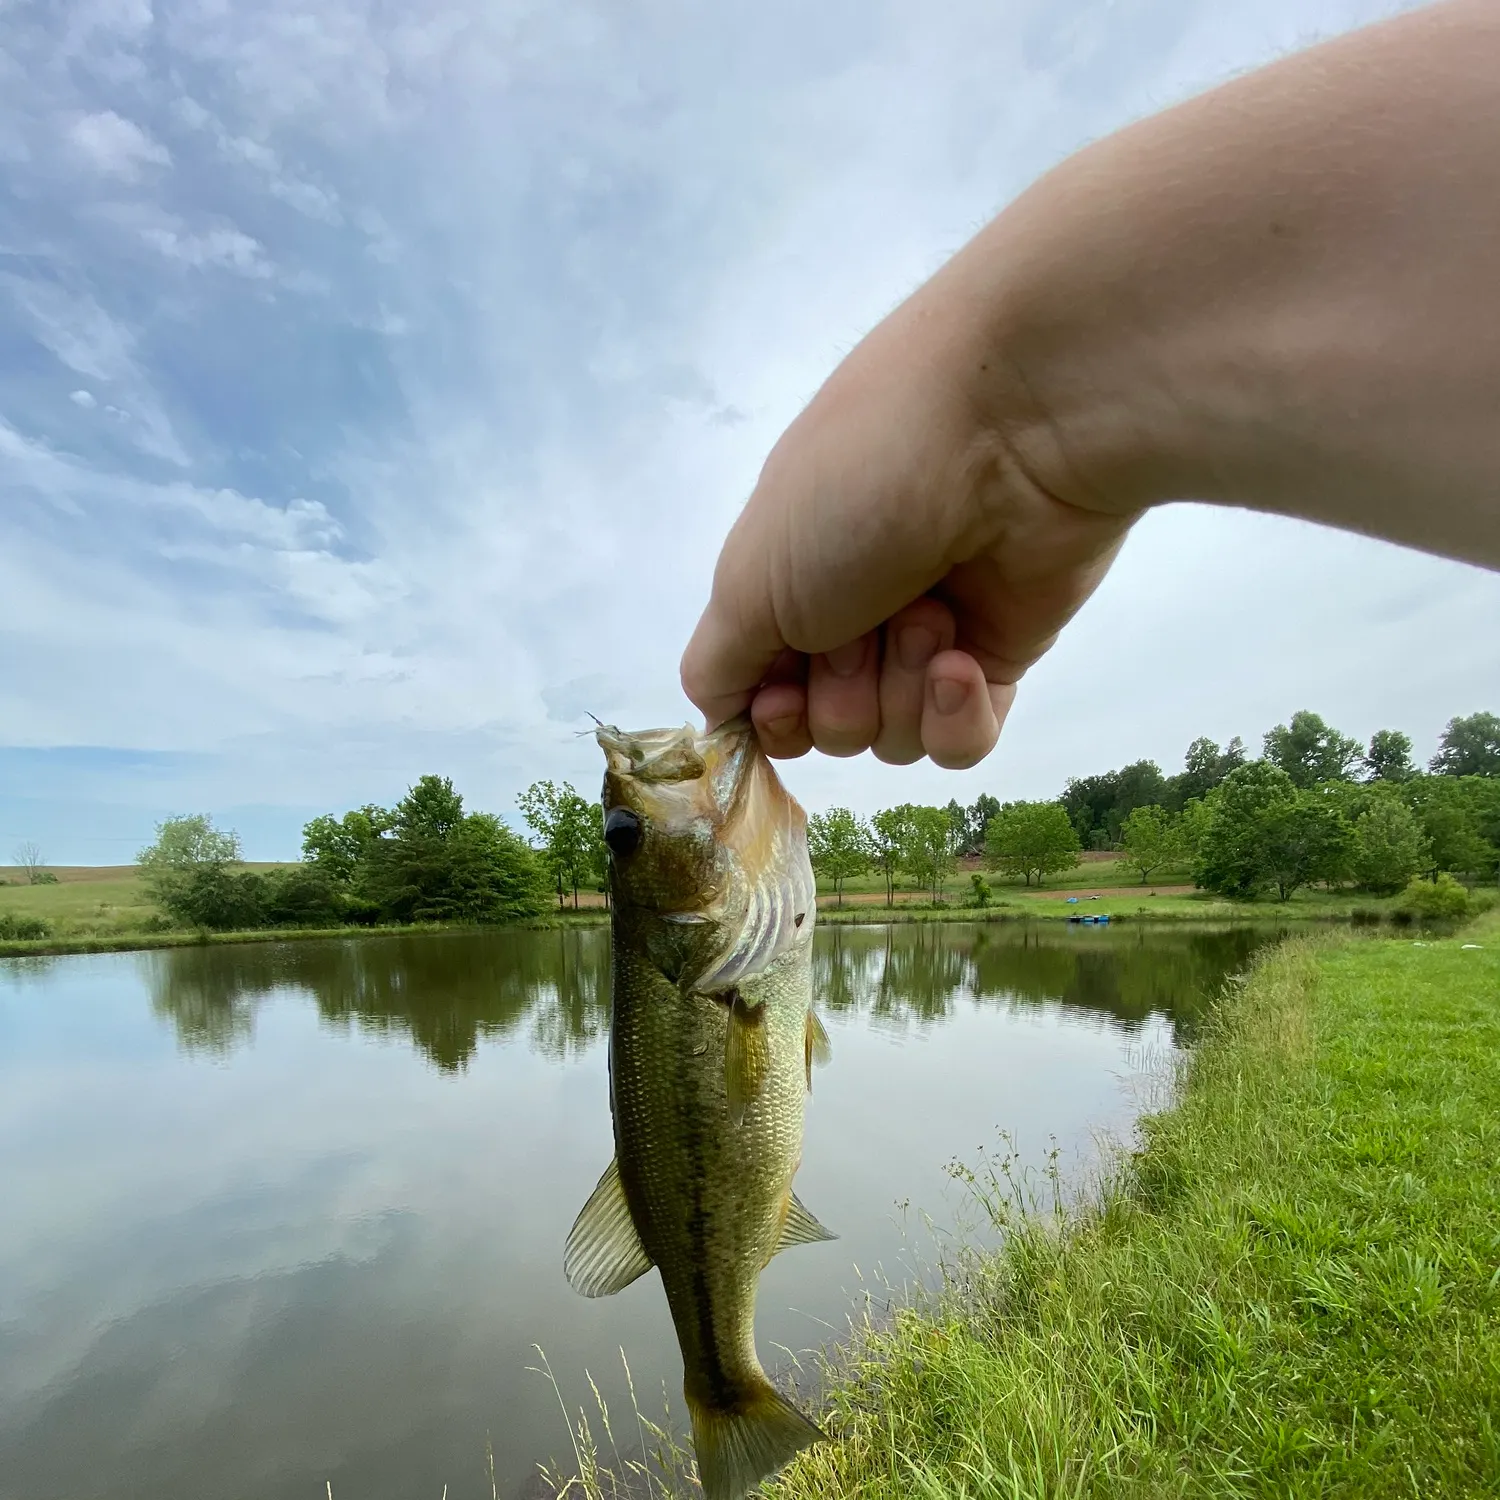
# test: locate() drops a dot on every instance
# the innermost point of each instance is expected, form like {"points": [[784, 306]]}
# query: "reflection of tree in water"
{"points": [[444, 991], [915, 972], [447, 991]]}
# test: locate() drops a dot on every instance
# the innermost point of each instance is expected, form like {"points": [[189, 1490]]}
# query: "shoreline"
{"points": [[1290, 1276], [864, 915]]}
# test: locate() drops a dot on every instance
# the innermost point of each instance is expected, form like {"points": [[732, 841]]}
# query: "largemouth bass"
{"points": [[712, 1041]]}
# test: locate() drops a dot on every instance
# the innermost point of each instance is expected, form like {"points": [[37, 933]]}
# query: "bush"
{"points": [[43, 877], [1443, 899], [16, 929], [981, 889]]}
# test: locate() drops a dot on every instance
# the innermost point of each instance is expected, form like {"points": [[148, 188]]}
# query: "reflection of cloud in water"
{"points": [[446, 992]]}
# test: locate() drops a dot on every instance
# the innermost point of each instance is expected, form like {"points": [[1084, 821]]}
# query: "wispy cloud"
{"points": [[115, 146], [379, 383]]}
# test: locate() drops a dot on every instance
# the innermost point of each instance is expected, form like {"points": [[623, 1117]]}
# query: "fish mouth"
{"points": [[671, 755]]}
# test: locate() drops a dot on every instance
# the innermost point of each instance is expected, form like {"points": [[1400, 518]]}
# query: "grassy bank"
{"points": [[1291, 1290]]}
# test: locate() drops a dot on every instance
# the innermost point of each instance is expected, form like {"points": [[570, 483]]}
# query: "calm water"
{"points": [[284, 1215]]}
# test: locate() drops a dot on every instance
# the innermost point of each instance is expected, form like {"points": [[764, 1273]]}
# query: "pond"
{"points": [[282, 1217]]}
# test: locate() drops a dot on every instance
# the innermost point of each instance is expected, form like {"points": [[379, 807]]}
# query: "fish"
{"points": [[711, 1047]]}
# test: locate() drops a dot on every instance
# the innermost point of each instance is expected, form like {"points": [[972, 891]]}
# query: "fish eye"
{"points": [[622, 830]]}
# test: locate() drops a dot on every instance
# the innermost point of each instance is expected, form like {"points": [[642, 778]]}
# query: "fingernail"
{"points": [[915, 647], [782, 727], [845, 661], [949, 696]]}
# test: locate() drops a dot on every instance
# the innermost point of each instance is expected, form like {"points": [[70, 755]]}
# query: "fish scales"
{"points": [[711, 1041]]}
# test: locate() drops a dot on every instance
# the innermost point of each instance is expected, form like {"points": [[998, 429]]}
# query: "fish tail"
{"points": [[739, 1446]]}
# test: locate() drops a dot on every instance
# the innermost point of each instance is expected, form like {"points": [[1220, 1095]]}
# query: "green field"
{"points": [[1291, 1290]]}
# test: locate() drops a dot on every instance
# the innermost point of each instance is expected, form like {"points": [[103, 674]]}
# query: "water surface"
{"points": [[279, 1216]]}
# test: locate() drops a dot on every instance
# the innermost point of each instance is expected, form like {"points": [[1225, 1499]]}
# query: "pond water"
{"points": [[280, 1217]]}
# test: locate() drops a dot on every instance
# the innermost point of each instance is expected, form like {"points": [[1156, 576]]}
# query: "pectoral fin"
{"points": [[819, 1048], [747, 1055], [604, 1253], [799, 1227]]}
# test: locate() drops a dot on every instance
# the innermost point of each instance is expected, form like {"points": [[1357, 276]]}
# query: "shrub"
{"points": [[1440, 899], [981, 889], [20, 929]]}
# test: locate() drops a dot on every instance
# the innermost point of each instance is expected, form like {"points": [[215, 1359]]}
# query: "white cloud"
{"points": [[575, 271], [84, 399], [224, 247], [115, 146]]}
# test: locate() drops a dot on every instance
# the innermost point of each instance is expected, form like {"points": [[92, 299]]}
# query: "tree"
{"points": [[983, 808], [1452, 811], [337, 846], [439, 864], [1389, 847], [927, 850], [1469, 747], [1152, 837], [1231, 854], [186, 849], [1389, 756], [838, 844], [571, 829], [1304, 841], [1031, 838], [29, 859], [888, 840], [1310, 752], [1204, 767]]}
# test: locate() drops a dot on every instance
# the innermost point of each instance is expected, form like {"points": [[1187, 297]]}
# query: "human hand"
{"points": [[897, 567]]}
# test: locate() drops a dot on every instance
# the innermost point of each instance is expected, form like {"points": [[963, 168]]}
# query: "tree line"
{"points": [[426, 859], [1316, 807]]}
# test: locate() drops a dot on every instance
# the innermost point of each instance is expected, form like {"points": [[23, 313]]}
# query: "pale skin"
{"points": [[1282, 295]]}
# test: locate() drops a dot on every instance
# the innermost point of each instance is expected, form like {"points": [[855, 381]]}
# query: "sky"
{"points": [[378, 381]]}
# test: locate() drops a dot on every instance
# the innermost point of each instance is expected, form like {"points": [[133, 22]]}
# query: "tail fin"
{"points": [[737, 1449]]}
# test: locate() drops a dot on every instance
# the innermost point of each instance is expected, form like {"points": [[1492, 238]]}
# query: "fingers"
{"points": [[913, 637], [962, 713], [907, 695]]}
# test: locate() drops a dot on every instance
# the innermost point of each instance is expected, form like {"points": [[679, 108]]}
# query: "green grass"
{"points": [[1293, 1289]]}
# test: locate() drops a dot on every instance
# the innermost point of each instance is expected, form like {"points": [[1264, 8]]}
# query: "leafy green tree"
{"points": [[1389, 847], [888, 842], [1303, 842], [981, 810], [1031, 839], [1310, 752], [927, 851], [1231, 854], [441, 865], [1152, 838], [336, 846], [838, 844], [1452, 812], [1389, 756], [571, 830], [1469, 747], [184, 849], [1204, 767]]}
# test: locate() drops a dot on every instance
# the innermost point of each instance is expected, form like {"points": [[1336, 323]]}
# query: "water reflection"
{"points": [[445, 993]]}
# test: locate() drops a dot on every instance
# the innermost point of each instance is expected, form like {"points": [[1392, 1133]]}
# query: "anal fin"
{"points": [[800, 1227], [604, 1253]]}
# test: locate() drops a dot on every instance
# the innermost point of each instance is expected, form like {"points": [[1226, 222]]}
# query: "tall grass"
{"points": [[1292, 1288]]}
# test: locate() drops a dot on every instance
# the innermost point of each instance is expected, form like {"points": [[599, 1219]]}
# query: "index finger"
{"points": [[728, 657]]}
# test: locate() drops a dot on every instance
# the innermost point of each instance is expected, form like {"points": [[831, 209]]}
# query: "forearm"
{"points": [[1284, 294]]}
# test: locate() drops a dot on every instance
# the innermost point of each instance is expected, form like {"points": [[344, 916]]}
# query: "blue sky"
{"points": [[377, 382]]}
